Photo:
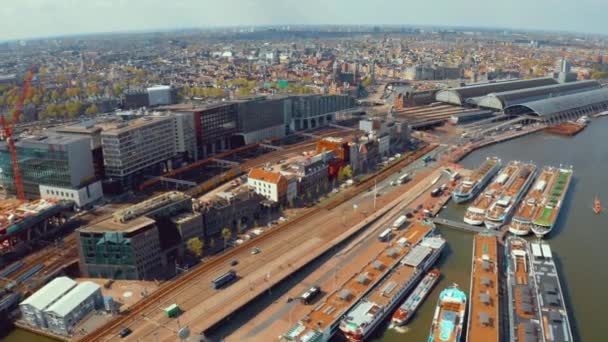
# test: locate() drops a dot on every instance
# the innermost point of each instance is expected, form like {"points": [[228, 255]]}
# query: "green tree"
{"points": [[55, 95], [195, 246], [117, 89], [226, 234], [367, 81], [92, 110], [599, 75], [345, 173], [73, 108]]}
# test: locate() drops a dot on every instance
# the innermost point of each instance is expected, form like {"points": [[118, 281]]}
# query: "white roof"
{"points": [[546, 251], [49, 293], [536, 250], [72, 299]]}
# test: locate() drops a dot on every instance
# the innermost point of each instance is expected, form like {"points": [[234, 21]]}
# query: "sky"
{"points": [[21, 19]]}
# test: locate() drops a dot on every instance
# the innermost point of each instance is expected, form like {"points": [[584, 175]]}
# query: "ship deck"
{"points": [[478, 174], [495, 188], [337, 303], [559, 188], [449, 321], [484, 311], [556, 325], [515, 186], [524, 317], [529, 206]]}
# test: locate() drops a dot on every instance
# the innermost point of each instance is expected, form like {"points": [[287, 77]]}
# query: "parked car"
{"points": [[125, 332]]}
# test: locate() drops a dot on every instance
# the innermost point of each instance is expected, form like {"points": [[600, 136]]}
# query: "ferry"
{"points": [[521, 223], [546, 216], [502, 207], [470, 186], [553, 313], [365, 316], [476, 212], [523, 311], [413, 302], [449, 316]]}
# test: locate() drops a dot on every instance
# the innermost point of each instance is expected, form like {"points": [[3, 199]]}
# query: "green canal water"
{"points": [[579, 240]]}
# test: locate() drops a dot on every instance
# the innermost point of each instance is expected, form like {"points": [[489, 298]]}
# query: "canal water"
{"points": [[579, 239]]}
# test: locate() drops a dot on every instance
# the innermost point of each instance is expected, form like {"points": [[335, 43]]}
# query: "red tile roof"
{"points": [[266, 176]]}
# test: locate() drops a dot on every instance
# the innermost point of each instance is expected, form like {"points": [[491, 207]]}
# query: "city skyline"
{"points": [[62, 18]]}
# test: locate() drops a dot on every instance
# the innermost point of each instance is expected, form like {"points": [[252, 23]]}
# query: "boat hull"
{"points": [[473, 222]]}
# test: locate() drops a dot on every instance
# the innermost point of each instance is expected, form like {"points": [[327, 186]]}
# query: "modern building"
{"points": [[135, 98], [120, 250], [32, 309], [314, 111], [215, 125], [432, 72], [133, 150], [60, 163], [273, 185], [466, 95], [161, 95], [90, 130], [63, 315], [562, 108], [261, 118]]}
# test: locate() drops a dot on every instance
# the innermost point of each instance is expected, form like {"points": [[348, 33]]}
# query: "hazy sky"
{"points": [[41, 18]]}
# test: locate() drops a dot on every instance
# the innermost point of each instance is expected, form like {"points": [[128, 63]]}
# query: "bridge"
{"points": [[470, 228]]}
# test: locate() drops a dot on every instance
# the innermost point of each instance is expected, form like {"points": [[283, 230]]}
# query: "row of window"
{"points": [[59, 193]]}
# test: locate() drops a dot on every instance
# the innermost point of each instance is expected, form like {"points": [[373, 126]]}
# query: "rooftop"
{"points": [[112, 225], [73, 299], [49, 293], [264, 175], [115, 128]]}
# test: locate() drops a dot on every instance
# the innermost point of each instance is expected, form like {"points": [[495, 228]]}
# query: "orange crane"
{"points": [[7, 129]]}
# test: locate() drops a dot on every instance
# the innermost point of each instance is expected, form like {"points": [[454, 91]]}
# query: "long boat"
{"points": [[361, 321], [502, 207], [416, 298], [524, 315], [484, 321], [476, 212], [521, 223], [470, 186], [551, 303], [449, 316], [546, 216]]}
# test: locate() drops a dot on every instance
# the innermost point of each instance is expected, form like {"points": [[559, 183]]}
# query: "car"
{"points": [[255, 251], [234, 262], [125, 332]]}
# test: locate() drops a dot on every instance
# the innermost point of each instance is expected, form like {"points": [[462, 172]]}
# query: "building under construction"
{"points": [[27, 222]]}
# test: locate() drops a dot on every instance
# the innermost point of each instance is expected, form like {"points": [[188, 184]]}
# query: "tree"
{"points": [[599, 75], [226, 234], [92, 110], [367, 81], [345, 173], [55, 95], [195, 246], [73, 108]]}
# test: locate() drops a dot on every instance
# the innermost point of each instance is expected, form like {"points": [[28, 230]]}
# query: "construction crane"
{"points": [[7, 129]]}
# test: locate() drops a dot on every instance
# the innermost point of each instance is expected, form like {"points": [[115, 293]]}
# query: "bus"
{"points": [[224, 279], [385, 235], [404, 179], [399, 222], [310, 295]]}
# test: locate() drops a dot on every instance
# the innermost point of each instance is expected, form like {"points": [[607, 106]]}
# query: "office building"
{"points": [[120, 250], [161, 95], [135, 98], [215, 126], [60, 163], [136, 149], [261, 118], [314, 111], [89, 130]]}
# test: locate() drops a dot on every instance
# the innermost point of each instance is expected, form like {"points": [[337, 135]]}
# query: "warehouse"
{"points": [[467, 94], [33, 307], [66, 312], [567, 107], [502, 100]]}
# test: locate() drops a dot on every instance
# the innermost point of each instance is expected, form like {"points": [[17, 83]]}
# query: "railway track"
{"points": [[183, 281]]}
